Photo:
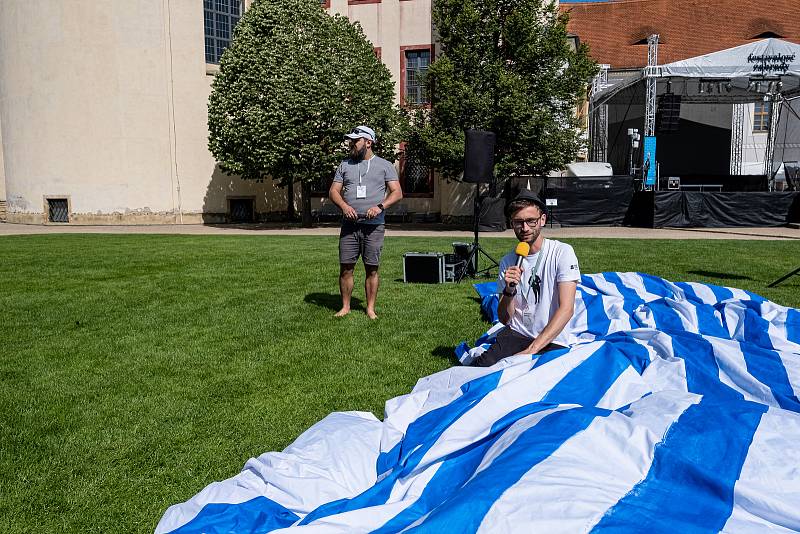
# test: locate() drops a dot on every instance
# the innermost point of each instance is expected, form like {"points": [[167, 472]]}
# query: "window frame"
{"points": [[402, 177], [215, 38], [761, 118], [403, 72], [322, 193], [229, 212], [46, 211]]}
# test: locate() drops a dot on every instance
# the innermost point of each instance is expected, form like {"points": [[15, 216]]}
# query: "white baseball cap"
{"points": [[364, 132]]}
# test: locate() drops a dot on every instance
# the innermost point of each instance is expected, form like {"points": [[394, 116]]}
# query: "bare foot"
{"points": [[371, 314], [342, 312]]}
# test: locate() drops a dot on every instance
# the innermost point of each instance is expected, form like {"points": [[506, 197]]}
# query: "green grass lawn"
{"points": [[137, 369]]}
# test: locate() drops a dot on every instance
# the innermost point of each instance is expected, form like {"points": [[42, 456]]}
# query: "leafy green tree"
{"points": [[292, 83], [505, 66]]}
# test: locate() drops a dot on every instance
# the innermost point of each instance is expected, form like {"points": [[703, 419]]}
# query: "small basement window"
{"points": [[57, 210], [241, 209]]}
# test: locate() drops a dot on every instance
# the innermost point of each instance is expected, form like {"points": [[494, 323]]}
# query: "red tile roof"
{"points": [[617, 31]]}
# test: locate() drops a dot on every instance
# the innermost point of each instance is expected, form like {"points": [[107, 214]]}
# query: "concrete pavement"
{"points": [[411, 230]]}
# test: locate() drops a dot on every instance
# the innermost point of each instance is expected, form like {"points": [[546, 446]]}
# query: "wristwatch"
{"points": [[506, 293], [381, 207]]}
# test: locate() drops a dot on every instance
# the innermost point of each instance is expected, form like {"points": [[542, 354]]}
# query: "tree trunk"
{"points": [[290, 201], [305, 202]]}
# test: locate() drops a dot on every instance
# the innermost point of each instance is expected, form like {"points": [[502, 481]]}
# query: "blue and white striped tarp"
{"points": [[676, 410]]}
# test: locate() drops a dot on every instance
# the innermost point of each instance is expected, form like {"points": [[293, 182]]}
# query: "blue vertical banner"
{"points": [[649, 160]]}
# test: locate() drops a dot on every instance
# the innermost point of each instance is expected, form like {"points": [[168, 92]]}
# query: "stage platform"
{"points": [[611, 201], [693, 209]]}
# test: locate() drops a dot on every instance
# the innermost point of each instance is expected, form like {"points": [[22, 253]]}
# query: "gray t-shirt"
{"points": [[372, 174]]}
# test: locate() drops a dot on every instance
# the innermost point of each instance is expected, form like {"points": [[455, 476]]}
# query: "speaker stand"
{"points": [[784, 277], [475, 249]]}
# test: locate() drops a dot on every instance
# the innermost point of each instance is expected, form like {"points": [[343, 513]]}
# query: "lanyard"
{"points": [[534, 282], [369, 161]]}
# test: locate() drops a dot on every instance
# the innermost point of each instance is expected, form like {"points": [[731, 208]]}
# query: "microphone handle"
{"points": [[520, 259]]}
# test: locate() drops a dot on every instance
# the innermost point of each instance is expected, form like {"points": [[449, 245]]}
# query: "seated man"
{"points": [[537, 296]]}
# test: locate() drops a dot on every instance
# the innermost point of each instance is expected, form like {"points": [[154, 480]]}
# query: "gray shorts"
{"points": [[365, 240]]}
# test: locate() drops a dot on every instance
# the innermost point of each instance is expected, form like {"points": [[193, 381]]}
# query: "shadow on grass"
{"points": [[332, 301], [723, 276], [446, 352]]}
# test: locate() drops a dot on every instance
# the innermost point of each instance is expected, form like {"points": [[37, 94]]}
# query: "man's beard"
{"points": [[534, 236], [357, 154]]}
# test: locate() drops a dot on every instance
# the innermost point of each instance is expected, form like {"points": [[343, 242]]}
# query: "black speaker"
{"points": [[668, 113], [479, 156]]}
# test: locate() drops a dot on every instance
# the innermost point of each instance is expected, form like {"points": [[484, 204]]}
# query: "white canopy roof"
{"points": [[734, 69], [770, 58]]}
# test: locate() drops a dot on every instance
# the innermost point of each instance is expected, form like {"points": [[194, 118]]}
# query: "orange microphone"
{"points": [[522, 251]]}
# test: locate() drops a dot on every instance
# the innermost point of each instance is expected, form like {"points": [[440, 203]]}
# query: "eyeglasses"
{"points": [[519, 224], [356, 131]]}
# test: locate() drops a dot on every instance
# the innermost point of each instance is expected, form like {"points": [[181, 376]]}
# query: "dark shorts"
{"points": [[508, 342], [365, 240]]}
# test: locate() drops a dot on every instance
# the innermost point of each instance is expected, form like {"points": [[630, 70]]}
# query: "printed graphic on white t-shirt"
{"points": [[559, 264]]}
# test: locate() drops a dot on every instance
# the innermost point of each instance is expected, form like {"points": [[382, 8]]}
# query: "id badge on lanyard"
{"points": [[361, 190]]}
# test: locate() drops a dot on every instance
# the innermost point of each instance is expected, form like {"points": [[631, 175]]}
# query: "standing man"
{"points": [[537, 298], [359, 189]]}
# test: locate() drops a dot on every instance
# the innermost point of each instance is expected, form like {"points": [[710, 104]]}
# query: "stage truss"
{"points": [[769, 154], [598, 117], [651, 75], [737, 138]]}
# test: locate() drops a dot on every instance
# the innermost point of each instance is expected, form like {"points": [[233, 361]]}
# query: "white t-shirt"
{"points": [[559, 264]]}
